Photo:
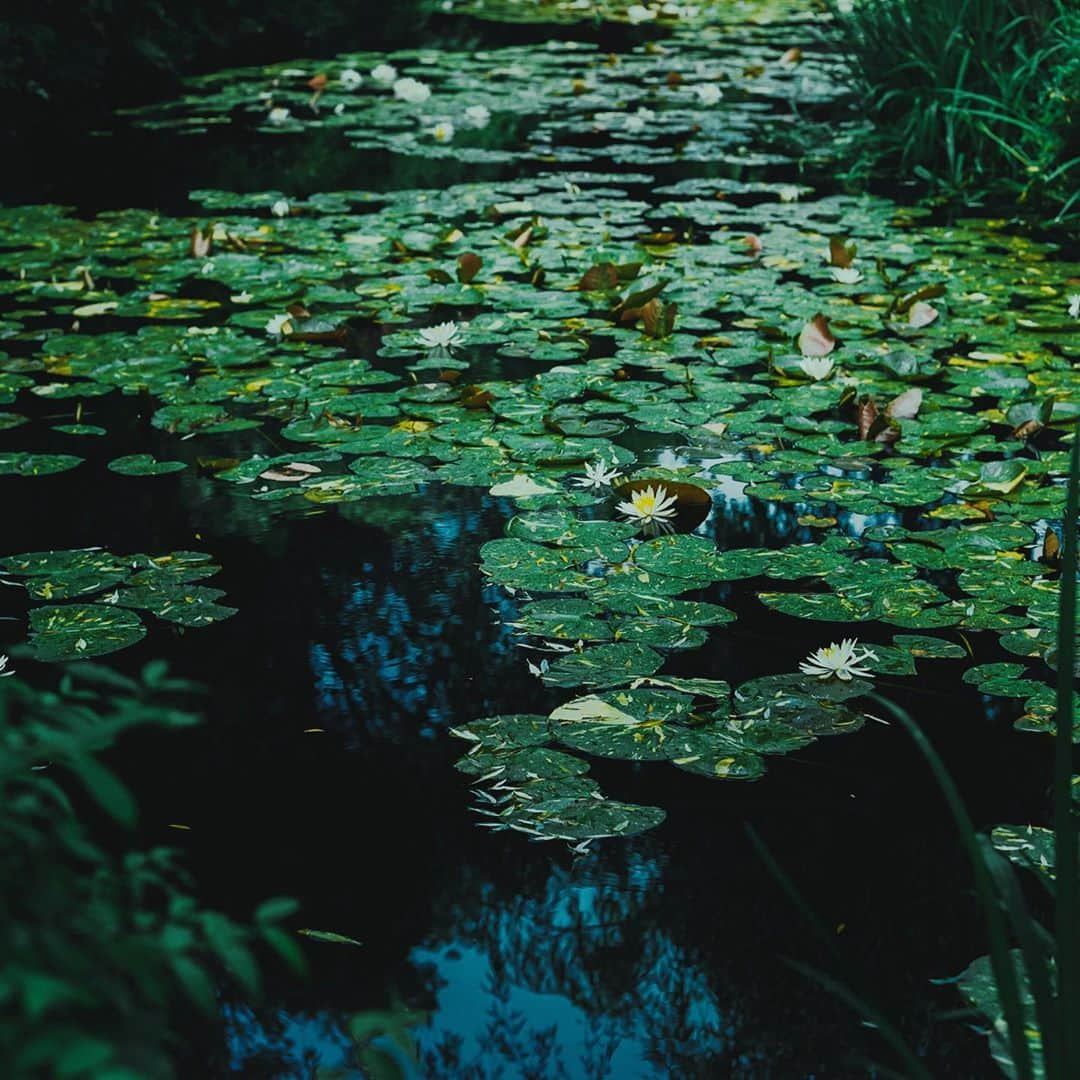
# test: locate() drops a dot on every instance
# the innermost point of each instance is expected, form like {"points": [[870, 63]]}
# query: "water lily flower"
{"points": [[817, 367], [846, 275], [384, 74], [443, 131], [4, 673], [708, 93], [788, 193], [446, 336], [350, 79], [278, 115], [1074, 305], [598, 475], [841, 661], [651, 507], [639, 13], [478, 116], [280, 208], [412, 90], [275, 327]]}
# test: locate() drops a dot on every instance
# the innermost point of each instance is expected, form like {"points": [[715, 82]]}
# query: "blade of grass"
{"points": [[1000, 960], [915, 1068], [1065, 855]]}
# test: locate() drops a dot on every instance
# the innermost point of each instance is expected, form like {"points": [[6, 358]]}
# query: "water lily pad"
{"points": [[80, 631], [603, 665], [144, 465], [23, 464]]}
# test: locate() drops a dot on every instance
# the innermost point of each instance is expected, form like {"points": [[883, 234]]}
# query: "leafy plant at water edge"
{"points": [[98, 950], [1030, 995], [979, 99]]}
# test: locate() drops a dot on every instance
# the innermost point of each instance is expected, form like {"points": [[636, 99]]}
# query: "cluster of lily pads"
{"points": [[102, 595], [713, 93], [616, 355]]}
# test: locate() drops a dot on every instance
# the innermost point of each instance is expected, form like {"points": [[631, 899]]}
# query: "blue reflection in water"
{"points": [[572, 979]]}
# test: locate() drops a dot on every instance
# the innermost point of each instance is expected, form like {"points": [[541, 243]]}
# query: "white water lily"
{"points": [[597, 475], [280, 208], [708, 93], [443, 131], [838, 660], [651, 507], [275, 327], [4, 673], [350, 78], [384, 74], [636, 121], [446, 336], [846, 275], [278, 115], [788, 193], [1074, 305], [478, 116], [411, 90], [817, 367], [639, 13]]}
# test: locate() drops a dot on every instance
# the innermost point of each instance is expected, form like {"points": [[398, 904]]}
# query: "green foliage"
{"points": [[96, 949], [980, 100]]}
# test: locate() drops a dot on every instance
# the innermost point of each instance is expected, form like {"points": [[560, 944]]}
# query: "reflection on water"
{"points": [[574, 979]]}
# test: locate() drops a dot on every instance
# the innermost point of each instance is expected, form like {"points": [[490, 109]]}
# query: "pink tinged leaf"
{"points": [[841, 251], [292, 473], [921, 314], [816, 338], [866, 414], [906, 406]]}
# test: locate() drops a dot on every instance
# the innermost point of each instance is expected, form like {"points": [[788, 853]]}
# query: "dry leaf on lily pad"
{"points": [[841, 251], [816, 339], [468, 266], [292, 473]]}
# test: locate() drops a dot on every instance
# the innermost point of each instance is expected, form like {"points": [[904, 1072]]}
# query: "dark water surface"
{"points": [[660, 956]]}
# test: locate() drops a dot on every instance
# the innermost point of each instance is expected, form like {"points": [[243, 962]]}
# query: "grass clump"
{"points": [[978, 99]]}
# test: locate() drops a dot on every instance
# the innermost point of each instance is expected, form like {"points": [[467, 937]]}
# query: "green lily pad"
{"points": [[144, 465], [80, 631]]}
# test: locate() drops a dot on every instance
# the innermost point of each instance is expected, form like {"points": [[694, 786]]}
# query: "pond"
{"points": [[349, 390]]}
